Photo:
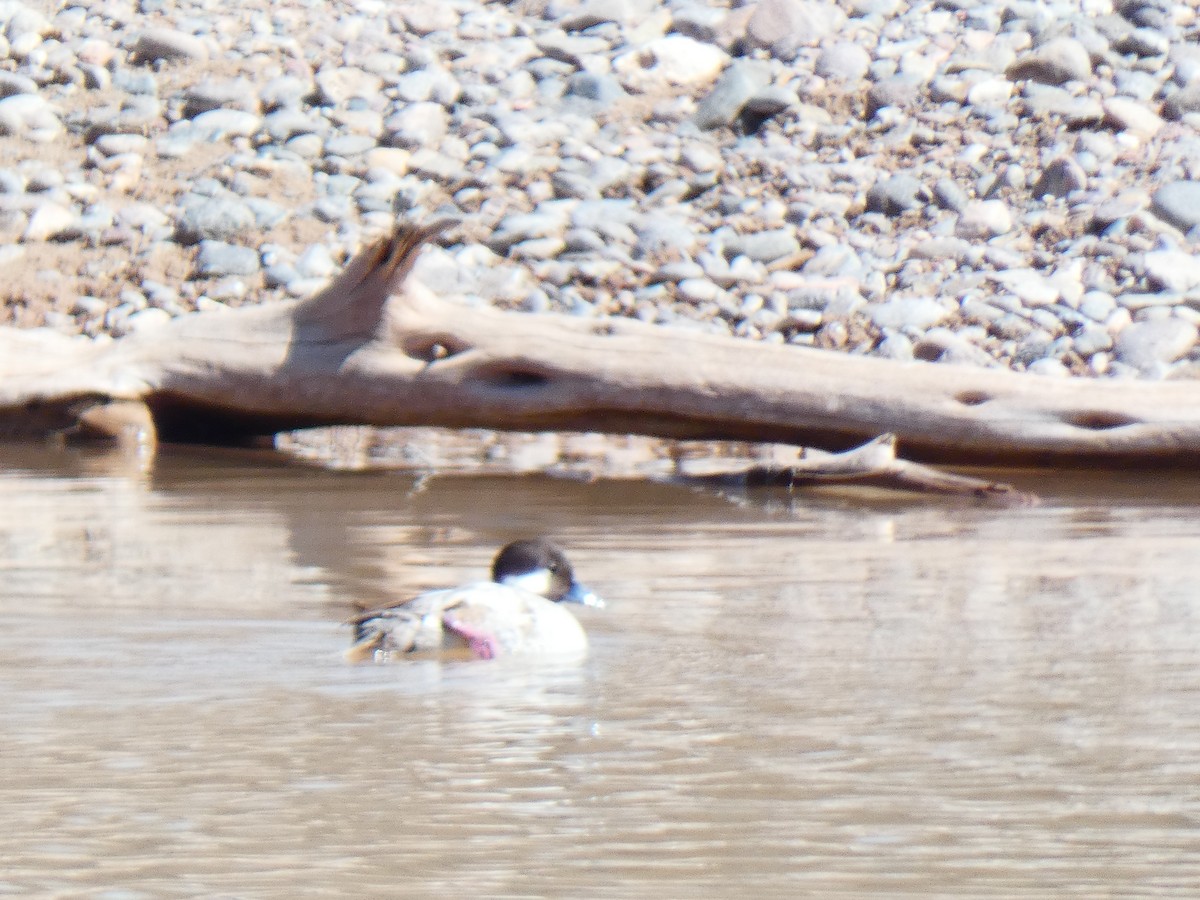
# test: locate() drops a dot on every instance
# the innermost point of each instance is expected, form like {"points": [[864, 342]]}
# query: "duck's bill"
{"points": [[581, 595]]}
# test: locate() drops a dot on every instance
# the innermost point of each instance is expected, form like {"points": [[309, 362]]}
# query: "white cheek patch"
{"points": [[536, 582]]}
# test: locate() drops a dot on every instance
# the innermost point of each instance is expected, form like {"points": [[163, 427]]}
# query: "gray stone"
{"points": [[284, 92], [834, 259], [284, 124], [764, 246], [1060, 178], [237, 93], [1044, 100], [217, 259], [425, 18], [50, 220], [1097, 305], [333, 210], [984, 219], [1091, 338], [340, 84], [1143, 42], [1048, 367], [12, 83], [1183, 101], [597, 12], [11, 182], [167, 44], [147, 319], [940, 344], [895, 346], [347, 145], [919, 313], [573, 184], [1172, 270], [1056, 62], [212, 218], [140, 84], [843, 61], [1177, 202], [120, 144], [418, 125], [1131, 115], [897, 194], [29, 116], [665, 234], [267, 213], [899, 91], [222, 123], [1151, 344], [724, 103], [415, 87], [601, 91], [950, 196], [771, 100], [950, 248], [784, 26]]}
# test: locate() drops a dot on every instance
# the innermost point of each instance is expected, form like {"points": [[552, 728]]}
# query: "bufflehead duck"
{"points": [[517, 612]]}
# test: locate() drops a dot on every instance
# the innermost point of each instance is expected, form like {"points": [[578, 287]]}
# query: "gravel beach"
{"points": [[1011, 183]]}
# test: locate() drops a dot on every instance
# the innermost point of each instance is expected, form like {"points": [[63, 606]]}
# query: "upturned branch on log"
{"points": [[374, 348]]}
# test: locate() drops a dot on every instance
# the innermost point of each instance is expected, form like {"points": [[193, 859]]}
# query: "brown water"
{"points": [[815, 694]]}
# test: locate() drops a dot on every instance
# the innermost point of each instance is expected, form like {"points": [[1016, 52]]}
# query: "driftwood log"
{"points": [[375, 349]]}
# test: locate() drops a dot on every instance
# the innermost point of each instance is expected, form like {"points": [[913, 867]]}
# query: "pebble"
{"points": [[984, 219], [1183, 101], [166, 44], [784, 26], [217, 124], [682, 60], [738, 83], [913, 313], [897, 194], [1060, 178], [843, 61], [1058, 61], [216, 259], [1130, 115], [764, 246], [29, 116], [1172, 270], [213, 218], [48, 221], [1178, 202], [1150, 345]]}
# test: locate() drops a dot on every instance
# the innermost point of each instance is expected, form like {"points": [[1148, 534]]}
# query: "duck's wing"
{"points": [[413, 625]]}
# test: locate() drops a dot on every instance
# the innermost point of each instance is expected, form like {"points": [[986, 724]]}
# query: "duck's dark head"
{"points": [[540, 567]]}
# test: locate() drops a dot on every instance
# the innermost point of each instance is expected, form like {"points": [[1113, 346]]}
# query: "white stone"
{"points": [[984, 219], [681, 60], [1173, 270], [48, 220], [1031, 287]]}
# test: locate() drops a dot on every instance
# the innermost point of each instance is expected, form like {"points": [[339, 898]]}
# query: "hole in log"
{"points": [[430, 349], [517, 378], [1099, 420], [972, 398]]}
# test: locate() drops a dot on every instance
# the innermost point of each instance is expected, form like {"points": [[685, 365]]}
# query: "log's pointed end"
{"points": [[394, 257], [353, 302]]}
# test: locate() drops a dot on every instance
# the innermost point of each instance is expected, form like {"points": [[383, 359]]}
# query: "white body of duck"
{"points": [[519, 612]]}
